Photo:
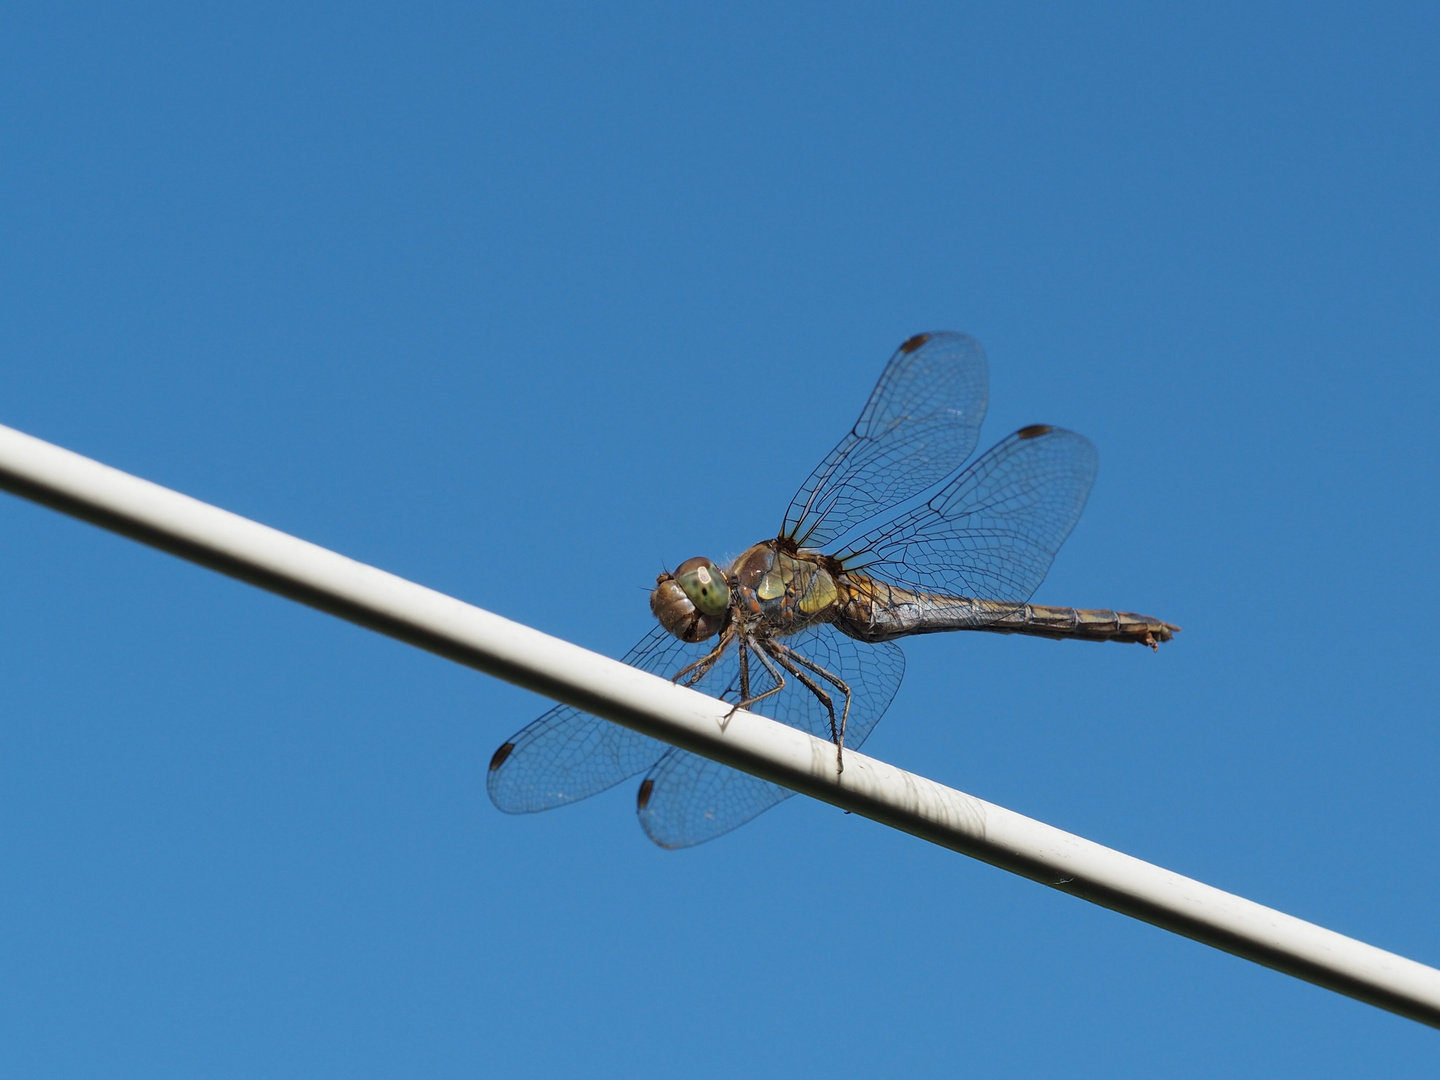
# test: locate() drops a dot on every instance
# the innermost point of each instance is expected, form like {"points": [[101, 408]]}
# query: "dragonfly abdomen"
{"points": [[1083, 624], [875, 611], [872, 610]]}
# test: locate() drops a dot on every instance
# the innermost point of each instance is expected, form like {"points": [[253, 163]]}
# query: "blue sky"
{"points": [[454, 291]]}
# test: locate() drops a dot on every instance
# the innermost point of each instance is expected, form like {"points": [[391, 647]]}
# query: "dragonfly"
{"points": [[891, 535]]}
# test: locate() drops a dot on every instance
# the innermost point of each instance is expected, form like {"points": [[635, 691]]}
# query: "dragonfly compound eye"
{"points": [[705, 585], [692, 602]]}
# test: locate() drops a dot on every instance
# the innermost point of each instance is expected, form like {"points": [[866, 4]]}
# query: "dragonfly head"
{"points": [[691, 603]]}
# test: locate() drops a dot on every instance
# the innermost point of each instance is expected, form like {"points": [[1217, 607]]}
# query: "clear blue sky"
{"points": [[456, 293]]}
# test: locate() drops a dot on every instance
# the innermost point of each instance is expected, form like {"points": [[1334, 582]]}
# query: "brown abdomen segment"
{"points": [[1080, 623]]}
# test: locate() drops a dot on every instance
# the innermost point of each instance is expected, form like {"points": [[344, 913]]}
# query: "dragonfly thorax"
{"points": [[785, 586]]}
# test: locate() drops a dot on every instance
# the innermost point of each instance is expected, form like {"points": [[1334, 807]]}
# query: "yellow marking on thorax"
{"points": [[813, 588], [782, 575], [820, 595], [771, 586]]}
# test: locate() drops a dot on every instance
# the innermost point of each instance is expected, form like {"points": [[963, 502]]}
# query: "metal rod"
{"points": [[468, 635]]}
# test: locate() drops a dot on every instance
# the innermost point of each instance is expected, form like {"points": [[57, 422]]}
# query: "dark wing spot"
{"points": [[642, 800], [914, 343], [1033, 431], [501, 755]]}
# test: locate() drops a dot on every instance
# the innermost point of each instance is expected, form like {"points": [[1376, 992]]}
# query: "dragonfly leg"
{"points": [[839, 684], [791, 661], [744, 683], [830, 677], [691, 674], [702, 667], [746, 700]]}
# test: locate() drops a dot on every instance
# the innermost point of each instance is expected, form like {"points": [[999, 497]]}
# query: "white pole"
{"points": [[468, 635]]}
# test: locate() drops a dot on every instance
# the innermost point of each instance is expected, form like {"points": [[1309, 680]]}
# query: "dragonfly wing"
{"points": [[567, 755], [688, 799], [994, 530], [919, 426]]}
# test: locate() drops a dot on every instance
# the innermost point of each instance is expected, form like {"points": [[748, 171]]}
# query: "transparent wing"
{"points": [[692, 799], [567, 755], [920, 424], [994, 530]]}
